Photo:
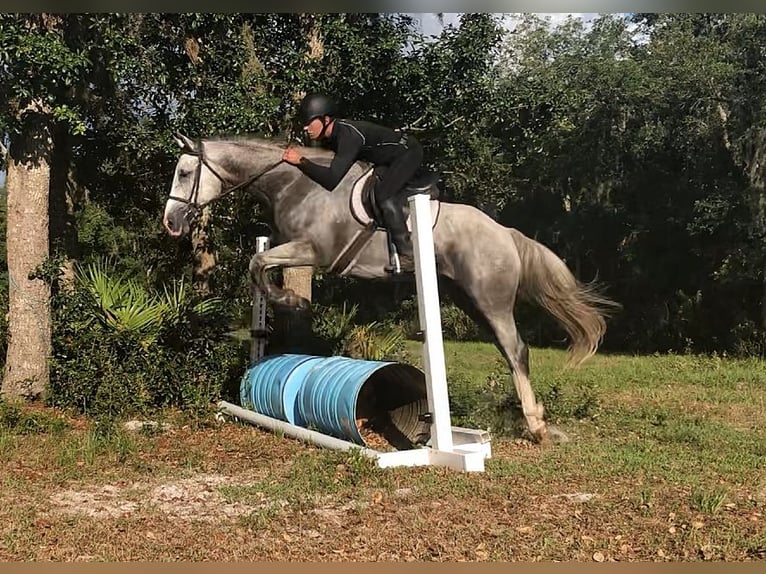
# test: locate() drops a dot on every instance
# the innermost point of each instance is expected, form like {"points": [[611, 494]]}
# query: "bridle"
{"points": [[192, 202]]}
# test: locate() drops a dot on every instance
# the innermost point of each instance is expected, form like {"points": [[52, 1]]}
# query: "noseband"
{"points": [[192, 202]]}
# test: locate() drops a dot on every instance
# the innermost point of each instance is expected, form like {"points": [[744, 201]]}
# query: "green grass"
{"points": [[690, 418], [310, 476]]}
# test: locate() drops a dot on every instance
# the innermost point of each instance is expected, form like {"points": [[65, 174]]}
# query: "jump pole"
{"points": [[453, 447]]}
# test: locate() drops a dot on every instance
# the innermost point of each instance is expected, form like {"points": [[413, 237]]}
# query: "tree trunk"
{"points": [[62, 234], [29, 317], [299, 280], [755, 165], [292, 329], [204, 258]]}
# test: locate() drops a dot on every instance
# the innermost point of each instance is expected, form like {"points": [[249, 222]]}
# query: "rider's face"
{"points": [[314, 128]]}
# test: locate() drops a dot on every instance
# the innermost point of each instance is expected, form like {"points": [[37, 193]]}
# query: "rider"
{"points": [[353, 140]]}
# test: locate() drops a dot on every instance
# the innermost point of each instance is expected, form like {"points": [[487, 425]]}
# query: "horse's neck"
{"points": [[280, 183], [245, 159]]}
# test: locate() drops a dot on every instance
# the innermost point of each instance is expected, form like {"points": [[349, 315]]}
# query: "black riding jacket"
{"points": [[351, 141]]}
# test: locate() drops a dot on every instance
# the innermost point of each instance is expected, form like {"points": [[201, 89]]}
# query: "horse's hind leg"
{"points": [[492, 307], [291, 254], [516, 352]]}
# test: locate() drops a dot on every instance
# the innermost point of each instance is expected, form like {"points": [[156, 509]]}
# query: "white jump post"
{"points": [[454, 447], [258, 322]]}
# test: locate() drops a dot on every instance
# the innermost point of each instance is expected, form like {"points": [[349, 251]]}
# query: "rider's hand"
{"points": [[291, 155]]}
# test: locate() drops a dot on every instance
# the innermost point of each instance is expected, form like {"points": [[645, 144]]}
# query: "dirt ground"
{"points": [[233, 492]]}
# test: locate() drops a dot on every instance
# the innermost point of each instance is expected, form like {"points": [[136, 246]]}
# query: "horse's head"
{"points": [[210, 169], [196, 182]]}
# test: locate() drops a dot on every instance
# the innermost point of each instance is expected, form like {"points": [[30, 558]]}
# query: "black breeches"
{"points": [[399, 172]]}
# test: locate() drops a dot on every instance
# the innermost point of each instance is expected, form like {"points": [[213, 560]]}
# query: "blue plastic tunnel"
{"points": [[332, 394]]}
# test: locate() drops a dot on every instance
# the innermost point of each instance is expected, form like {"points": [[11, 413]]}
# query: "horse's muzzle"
{"points": [[176, 224]]}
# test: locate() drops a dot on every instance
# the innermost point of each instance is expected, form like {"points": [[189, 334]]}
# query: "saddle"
{"points": [[365, 210], [364, 206]]}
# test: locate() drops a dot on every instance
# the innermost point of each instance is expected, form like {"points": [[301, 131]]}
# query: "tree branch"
{"points": [[725, 124], [456, 120]]}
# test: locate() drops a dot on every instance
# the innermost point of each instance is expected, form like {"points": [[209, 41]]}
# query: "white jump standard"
{"points": [[457, 448]]}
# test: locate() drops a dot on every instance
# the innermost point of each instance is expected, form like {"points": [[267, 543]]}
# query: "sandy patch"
{"points": [[195, 498]]}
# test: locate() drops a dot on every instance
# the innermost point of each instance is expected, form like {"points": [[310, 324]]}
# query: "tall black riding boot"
{"points": [[397, 226]]}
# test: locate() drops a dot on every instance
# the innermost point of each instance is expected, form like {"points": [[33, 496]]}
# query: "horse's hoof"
{"points": [[299, 304], [557, 435], [543, 437], [550, 435], [296, 303]]}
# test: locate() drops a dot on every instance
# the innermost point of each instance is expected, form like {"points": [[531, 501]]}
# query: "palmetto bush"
{"points": [[124, 305], [374, 341], [337, 333], [122, 348]]}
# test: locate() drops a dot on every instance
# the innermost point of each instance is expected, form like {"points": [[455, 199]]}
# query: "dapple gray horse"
{"points": [[490, 263]]}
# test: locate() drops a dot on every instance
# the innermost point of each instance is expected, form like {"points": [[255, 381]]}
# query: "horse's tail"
{"points": [[580, 308]]}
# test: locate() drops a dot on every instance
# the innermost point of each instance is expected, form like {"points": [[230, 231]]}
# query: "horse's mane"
{"points": [[250, 141], [276, 143]]}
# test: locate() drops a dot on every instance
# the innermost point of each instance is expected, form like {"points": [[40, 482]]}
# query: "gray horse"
{"points": [[490, 263]]}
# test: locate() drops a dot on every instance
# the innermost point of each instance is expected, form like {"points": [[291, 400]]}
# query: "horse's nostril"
{"points": [[169, 225]]}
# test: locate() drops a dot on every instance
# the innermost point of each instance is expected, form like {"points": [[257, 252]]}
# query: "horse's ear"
{"points": [[183, 142]]}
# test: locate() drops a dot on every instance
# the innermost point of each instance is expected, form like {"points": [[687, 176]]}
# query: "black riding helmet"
{"points": [[315, 106]]}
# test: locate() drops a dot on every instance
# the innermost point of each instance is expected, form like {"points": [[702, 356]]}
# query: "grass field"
{"points": [[665, 463]]}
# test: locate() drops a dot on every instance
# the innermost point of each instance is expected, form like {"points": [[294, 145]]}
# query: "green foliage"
{"points": [[103, 373], [482, 394], [475, 404], [567, 403], [457, 325], [120, 349], [38, 42], [340, 334], [17, 419], [707, 502], [373, 342], [630, 152], [333, 325], [125, 306]]}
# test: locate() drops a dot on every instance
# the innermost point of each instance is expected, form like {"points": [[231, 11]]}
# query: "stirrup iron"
{"points": [[394, 265]]}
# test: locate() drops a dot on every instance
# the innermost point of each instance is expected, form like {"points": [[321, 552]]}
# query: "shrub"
{"points": [[374, 342], [493, 403], [336, 333], [15, 418], [331, 326], [457, 325], [121, 349]]}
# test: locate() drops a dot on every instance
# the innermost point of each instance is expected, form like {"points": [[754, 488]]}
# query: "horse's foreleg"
{"points": [[292, 254]]}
